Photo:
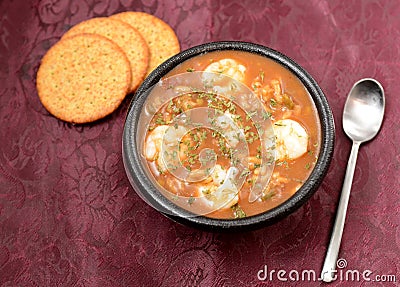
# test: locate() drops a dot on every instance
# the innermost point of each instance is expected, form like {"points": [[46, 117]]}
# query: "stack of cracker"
{"points": [[86, 75]]}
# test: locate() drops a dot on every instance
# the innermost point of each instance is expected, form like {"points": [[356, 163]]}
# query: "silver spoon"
{"points": [[362, 119]]}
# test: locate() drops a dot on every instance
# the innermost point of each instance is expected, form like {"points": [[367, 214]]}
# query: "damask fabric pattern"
{"points": [[68, 216]]}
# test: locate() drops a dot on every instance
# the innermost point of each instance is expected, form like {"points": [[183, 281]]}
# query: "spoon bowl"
{"points": [[362, 119], [363, 110]]}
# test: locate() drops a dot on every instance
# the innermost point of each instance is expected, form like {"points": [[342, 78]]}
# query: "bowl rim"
{"points": [[137, 176]]}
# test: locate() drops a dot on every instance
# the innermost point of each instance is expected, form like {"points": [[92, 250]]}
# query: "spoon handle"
{"points": [[328, 273]]}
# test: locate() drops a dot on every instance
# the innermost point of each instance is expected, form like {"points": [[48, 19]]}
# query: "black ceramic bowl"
{"points": [[138, 173]]}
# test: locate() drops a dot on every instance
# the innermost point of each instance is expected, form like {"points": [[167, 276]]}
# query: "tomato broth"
{"points": [[293, 116]]}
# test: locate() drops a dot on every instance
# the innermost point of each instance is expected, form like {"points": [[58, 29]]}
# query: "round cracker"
{"points": [[159, 36], [125, 36], [83, 78]]}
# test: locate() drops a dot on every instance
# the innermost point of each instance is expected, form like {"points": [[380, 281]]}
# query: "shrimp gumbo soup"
{"points": [[230, 135]]}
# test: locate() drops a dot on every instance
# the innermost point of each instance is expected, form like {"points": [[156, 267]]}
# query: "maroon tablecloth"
{"points": [[68, 216]]}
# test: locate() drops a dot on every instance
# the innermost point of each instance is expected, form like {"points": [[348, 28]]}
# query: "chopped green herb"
{"points": [[172, 167], [245, 172], [287, 101], [266, 115], [160, 119], [191, 200], [238, 211], [233, 87], [237, 118], [268, 195], [251, 137], [262, 74], [282, 163], [170, 104], [250, 115], [203, 135], [296, 180], [235, 160], [251, 181], [206, 191]]}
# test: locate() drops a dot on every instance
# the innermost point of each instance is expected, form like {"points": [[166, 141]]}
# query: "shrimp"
{"points": [[221, 192], [153, 145], [268, 91], [218, 175], [215, 179], [153, 142], [273, 93], [291, 139], [228, 67], [229, 129], [276, 186]]}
